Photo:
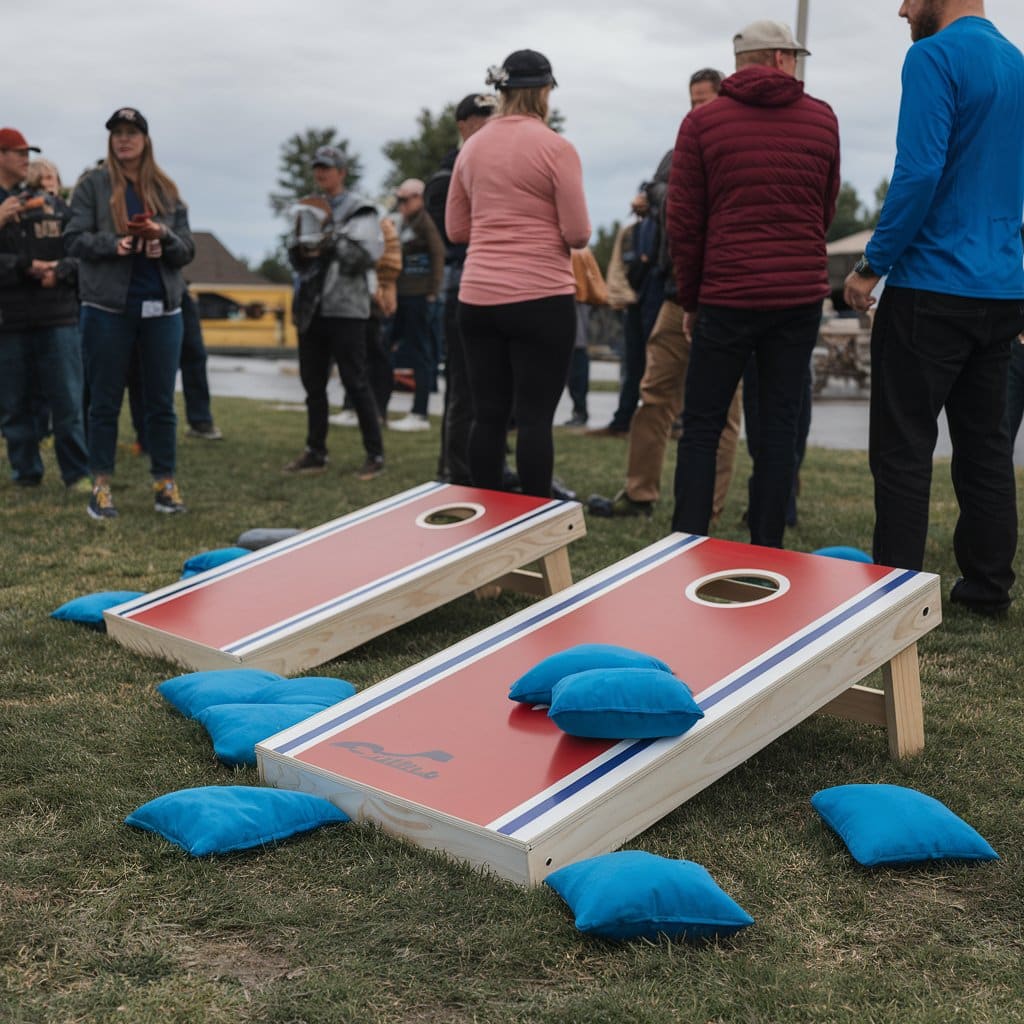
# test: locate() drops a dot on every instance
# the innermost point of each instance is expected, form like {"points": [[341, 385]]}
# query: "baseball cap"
{"points": [[127, 115], [330, 156], [767, 35], [410, 187], [475, 105], [523, 69], [11, 138]]}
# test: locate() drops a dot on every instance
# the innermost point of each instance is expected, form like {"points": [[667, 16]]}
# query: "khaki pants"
{"points": [[661, 401]]}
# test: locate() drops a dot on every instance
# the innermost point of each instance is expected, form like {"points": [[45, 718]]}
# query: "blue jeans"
{"points": [[724, 339], [412, 329], [49, 358], [108, 340]]}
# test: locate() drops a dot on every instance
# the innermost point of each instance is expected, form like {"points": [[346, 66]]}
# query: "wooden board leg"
{"points": [[554, 568], [904, 714]]}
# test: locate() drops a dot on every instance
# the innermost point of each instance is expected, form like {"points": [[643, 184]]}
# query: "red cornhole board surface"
{"points": [[311, 597], [439, 755]]}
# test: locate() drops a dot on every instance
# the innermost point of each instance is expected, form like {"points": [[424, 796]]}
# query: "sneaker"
{"points": [[577, 419], [167, 497], [373, 466], [101, 504], [960, 594], [345, 418], [410, 422], [204, 432], [620, 505], [308, 462]]}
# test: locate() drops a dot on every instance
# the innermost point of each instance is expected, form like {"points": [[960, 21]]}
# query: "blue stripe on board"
{"points": [[532, 813], [525, 626], [297, 541], [369, 588]]}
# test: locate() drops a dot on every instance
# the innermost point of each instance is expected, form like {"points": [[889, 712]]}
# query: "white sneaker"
{"points": [[345, 418], [411, 421]]}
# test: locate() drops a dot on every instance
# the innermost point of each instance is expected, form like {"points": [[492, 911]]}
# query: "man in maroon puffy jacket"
{"points": [[755, 176]]}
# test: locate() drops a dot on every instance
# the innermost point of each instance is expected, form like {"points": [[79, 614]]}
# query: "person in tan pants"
{"points": [[661, 401]]}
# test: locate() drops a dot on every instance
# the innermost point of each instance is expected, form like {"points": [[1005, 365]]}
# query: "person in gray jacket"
{"points": [[129, 231], [334, 247]]}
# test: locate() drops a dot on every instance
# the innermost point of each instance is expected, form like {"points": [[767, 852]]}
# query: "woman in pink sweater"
{"points": [[516, 197]]}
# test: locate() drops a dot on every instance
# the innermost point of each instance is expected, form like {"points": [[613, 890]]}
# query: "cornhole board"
{"points": [[437, 754], [315, 595]]}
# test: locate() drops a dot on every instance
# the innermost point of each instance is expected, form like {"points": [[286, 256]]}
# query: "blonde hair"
{"points": [[37, 168], [532, 102], [157, 191]]}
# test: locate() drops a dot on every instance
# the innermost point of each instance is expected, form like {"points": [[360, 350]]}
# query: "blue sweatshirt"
{"points": [[952, 217]]}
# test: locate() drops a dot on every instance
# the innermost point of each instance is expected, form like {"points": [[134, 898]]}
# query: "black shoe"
{"points": [[561, 490], [308, 462], [989, 609], [577, 419], [620, 505], [372, 467]]}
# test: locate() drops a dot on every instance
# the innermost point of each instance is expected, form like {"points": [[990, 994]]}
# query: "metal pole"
{"points": [[801, 34]]}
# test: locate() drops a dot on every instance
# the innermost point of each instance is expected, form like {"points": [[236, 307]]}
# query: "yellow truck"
{"points": [[240, 318]]}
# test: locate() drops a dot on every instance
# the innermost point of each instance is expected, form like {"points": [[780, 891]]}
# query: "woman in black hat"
{"points": [[516, 197], [129, 229]]}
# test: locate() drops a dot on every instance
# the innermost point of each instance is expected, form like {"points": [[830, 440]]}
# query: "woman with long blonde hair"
{"points": [[129, 229]]}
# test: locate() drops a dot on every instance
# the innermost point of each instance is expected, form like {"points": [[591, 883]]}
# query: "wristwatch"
{"points": [[863, 269]]}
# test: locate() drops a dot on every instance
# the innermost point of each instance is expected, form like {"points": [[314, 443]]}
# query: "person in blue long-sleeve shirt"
{"points": [[949, 244]]}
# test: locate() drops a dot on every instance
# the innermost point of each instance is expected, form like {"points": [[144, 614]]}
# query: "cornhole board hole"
{"points": [[437, 754], [309, 598]]}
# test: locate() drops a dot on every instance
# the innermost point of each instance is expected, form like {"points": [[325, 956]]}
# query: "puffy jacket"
{"points": [[755, 175], [91, 237], [340, 281], [24, 303]]}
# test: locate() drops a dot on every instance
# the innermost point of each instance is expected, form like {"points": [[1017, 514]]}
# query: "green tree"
{"points": [[881, 191], [421, 155], [850, 212], [295, 173], [274, 269], [603, 244]]}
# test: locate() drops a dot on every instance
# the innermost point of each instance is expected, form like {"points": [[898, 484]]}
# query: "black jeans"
{"points": [[453, 464], [634, 360], [724, 339], [517, 355], [412, 329], [930, 350], [752, 427], [342, 339]]}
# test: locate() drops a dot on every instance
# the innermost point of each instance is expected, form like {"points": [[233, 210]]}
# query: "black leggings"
{"points": [[517, 355]]}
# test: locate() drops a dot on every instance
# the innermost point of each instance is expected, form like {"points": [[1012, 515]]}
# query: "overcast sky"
{"points": [[223, 83]]}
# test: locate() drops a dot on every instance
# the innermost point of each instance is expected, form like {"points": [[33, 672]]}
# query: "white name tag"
{"points": [[152, 308]]}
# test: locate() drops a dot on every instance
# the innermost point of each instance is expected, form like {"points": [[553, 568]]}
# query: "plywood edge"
{"points": [[403, 819], [155, 643]]}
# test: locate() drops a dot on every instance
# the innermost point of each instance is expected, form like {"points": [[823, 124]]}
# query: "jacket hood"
{"points": [[759, 86]]}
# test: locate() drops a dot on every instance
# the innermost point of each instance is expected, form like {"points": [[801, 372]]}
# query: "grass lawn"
{"points": [[99, 922]]}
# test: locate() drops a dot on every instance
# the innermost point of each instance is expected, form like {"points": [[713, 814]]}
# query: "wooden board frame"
{"points": [[623, 788], [500, 534]]}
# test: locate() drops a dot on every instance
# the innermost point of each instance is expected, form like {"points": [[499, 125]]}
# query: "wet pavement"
{"points": [[839, 419]]}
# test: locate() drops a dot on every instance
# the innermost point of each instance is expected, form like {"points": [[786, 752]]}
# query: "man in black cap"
{"points": [[332, 308], [453, 465], [39, 338]]}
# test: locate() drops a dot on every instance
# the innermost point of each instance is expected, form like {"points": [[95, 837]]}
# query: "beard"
{"points": [[927, 23]]}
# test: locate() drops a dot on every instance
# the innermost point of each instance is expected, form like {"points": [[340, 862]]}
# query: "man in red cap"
{"points": [[40, 349]]}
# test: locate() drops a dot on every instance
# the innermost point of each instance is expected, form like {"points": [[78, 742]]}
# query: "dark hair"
{"points": [[708, 75]]}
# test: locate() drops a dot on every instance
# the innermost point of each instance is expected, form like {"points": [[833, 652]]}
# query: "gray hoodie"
{"points": [[90, 235]]}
